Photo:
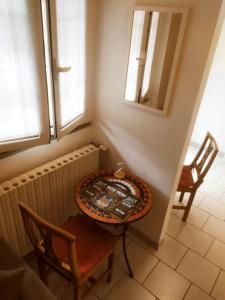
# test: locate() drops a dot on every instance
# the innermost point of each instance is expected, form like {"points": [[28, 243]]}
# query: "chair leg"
{"points": [[77, 293], [42, 271], [181, 196], [110, 266], [189, 204]]}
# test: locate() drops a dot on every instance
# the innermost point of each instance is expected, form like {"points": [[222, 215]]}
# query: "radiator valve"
{"points": [[103, 148]]}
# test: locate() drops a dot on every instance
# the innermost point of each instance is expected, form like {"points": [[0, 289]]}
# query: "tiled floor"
{"points": [[190, 263]]}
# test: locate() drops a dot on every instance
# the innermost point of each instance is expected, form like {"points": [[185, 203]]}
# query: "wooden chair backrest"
{"points": [[37, 227], [205, 157]]}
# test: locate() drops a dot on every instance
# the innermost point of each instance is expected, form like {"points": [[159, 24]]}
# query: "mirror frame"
{"points": [[164, 9]]}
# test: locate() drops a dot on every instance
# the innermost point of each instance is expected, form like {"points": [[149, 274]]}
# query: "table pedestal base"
{"points": [[125, 227]]}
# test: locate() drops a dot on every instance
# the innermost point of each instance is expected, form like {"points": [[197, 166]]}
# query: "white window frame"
{"points": [[44, 136], [83, 118], [45, 131]]}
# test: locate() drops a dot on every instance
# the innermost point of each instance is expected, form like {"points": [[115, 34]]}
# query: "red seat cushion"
{"points": [[186, 178], [93, 242]]}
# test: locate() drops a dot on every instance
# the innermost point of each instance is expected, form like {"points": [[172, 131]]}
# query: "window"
{"points": [[42, 70]]}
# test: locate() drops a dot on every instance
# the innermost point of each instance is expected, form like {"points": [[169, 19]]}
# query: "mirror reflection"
{"points": [[153, 52]]}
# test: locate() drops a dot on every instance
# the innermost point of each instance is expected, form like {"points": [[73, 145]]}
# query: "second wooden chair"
{"points": [[193, 175]]}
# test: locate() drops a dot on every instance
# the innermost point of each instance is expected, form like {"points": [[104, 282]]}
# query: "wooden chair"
{"points": [[192, 175], [74, 251]]}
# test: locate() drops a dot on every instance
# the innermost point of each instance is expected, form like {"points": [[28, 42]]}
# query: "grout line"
{"points": [[201, 256], [192, 224], [172, 237], [205, 222], [114, 286], [181, 244], [96, 295], [125, 275], [179, 231], [222, 195], [209, 248], [181, 259], [214, 264], [151, 271], [217, 218], [149, 291], [139, 242], [195, 283], [142, 285], [187, 290], [200, 202], [215, 282], [189, 246]]}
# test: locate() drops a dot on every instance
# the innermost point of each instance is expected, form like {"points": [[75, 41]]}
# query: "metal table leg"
{"points": [[125, 227]]}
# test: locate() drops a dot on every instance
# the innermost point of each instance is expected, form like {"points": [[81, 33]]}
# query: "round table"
{"points": [[131, 185]]}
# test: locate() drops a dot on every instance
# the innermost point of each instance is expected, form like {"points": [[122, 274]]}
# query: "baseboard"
{"points": [[143, 237]]}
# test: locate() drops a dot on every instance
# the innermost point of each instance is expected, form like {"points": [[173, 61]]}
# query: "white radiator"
{"points": [[48, 189]]}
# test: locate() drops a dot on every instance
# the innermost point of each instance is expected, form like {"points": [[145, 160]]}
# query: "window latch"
{"points": [[57, 69]]}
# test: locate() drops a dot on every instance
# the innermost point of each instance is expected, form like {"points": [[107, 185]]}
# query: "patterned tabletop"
{"points": [[105, 198]]}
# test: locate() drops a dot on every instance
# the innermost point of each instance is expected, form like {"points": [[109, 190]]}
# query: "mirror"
{"points": [[156, 39]]}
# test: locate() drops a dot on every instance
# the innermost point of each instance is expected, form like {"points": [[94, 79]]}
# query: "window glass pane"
{"points": [[19, 79], [71, 28], [135, 53]]}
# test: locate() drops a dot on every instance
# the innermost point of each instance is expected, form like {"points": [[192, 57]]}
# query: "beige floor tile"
{"points": [[221, 180], [219, 168], [136, 239], [222, 199], [216, 228], [211, 189], [129, 289], [213, 207], [199, 197], [196, 217], [195, 239], [119, 246], [58, 285], [194, 293], [176, 202], [141, 261], [170, 251], [216, 254], [212, 176], [199, 270], [104, 287], [63, 289], [89, 297], [166, 284], [219, 288], [174, 225]]}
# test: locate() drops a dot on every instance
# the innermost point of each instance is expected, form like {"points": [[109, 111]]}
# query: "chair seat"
{"points": [[93, 242], [186, 178]]}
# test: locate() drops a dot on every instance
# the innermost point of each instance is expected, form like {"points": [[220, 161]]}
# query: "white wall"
{"points": [[212, 111], [150, 145]]}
